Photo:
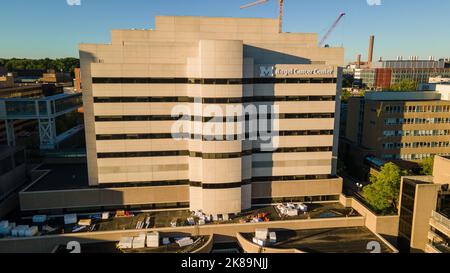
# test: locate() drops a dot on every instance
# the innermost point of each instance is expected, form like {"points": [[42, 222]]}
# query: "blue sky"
{"points": [[52, 28]]}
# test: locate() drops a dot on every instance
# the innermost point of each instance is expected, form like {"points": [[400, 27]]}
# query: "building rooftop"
{"points": [[403, 96], [18, 86], [333, 240], [7, 150], [45, 98], [419, 179], [61, 177], [164, 218]]}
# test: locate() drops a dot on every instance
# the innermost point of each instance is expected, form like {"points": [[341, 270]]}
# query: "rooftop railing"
{"points": [[441, 219]]}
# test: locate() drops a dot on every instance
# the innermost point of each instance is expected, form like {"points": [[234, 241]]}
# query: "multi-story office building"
{"points": [[407, 126], [366, 76], [131, 86], [384, 74], [56, 77], [424, 224]]}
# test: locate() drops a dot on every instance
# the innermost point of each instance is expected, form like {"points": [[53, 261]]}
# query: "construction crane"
{"points": [[327, 35], [280, 13]]}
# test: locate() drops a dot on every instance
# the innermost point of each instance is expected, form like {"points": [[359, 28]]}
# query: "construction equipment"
{"points": [[280, 13], [327, 35]]}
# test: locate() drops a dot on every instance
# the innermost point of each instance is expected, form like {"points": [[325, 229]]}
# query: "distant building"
{"points": [[6, 81], [47, 111], [28, 76], [3, 71], [77, 80], [56, 77], [26, 109], [406, 126], [439, 79], [386, 73], [9, 90]]}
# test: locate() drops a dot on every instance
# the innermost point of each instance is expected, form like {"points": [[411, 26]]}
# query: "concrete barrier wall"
{"points": [[45, 244], [441, 171], [96, 197], [250, 247], [387, 226], [12, 179], [207, 247], [9, 204]]}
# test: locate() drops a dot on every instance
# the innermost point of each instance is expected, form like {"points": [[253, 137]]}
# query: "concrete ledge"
{"points": [[250, 247], [45, 244], [386, 226], [207, 247]]}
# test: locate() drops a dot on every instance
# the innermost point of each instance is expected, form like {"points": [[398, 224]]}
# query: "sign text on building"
{"points": [[272, 71]]}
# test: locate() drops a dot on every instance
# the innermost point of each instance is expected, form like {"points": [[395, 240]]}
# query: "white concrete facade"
{"points": [[132, 85]]}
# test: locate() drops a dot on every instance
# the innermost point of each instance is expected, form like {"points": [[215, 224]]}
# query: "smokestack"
{"points": [[371, 45], [358, 62]]}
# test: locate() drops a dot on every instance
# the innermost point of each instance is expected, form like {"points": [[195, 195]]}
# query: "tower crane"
{"points": [[280, 12], [332, 28]]}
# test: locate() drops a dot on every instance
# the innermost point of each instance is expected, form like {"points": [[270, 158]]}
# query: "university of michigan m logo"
{"points": [[266, 71]]}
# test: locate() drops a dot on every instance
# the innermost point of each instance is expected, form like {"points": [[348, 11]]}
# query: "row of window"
{"points": [[143, 168], [295, 150], [220, 155], [174, 153], [212, 156], [184, 99], [401, 121], [419, 156], [405, 145], [292, 177], [410, 156], [211, 137], [207, 119], [211, 186], [144, 184], [141, 80], [290, 163], [416, 133], [417, 109], [216, 186], [300, 199]]}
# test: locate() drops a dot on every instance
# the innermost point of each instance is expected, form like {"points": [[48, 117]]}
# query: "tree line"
{"points": [[60, 65]]}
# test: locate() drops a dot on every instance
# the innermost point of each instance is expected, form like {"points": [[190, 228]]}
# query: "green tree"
{"points": [[426, 166], [404, 85], [345, 95], [383, 193], [347, 82], [63, 64]]}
